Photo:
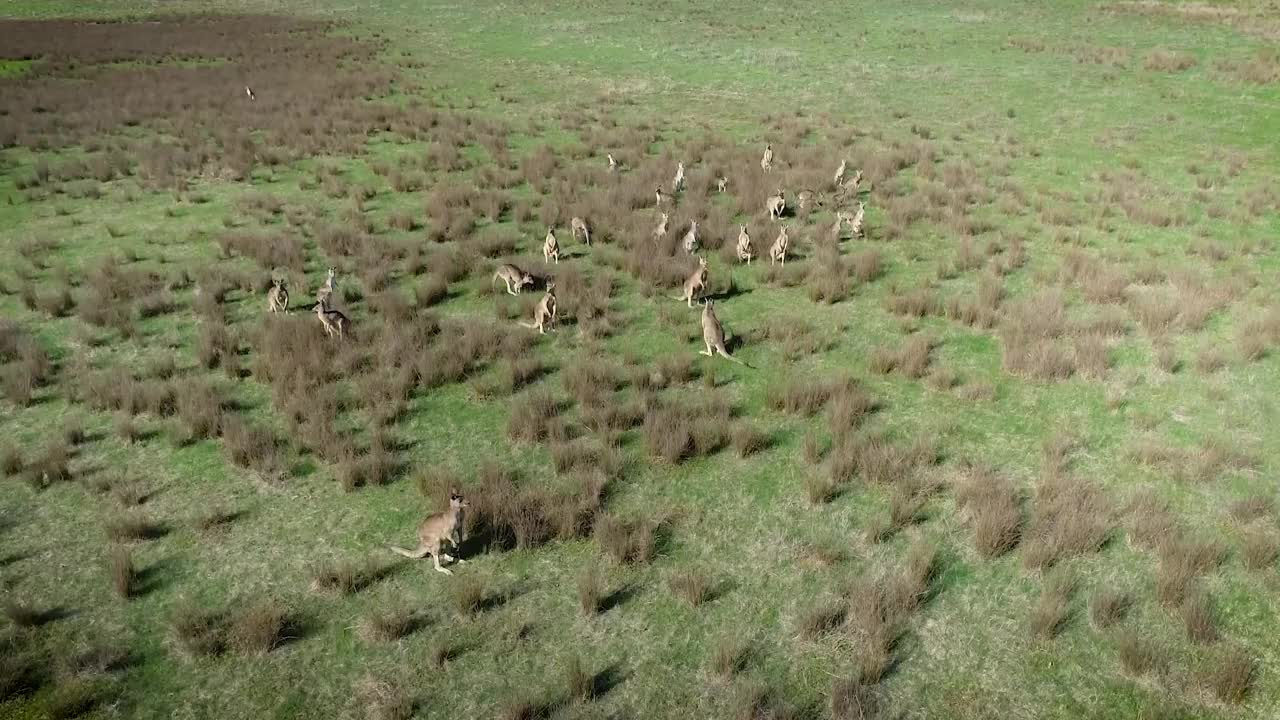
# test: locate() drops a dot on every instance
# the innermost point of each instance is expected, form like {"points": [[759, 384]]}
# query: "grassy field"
{"points": [[1007, 451]]}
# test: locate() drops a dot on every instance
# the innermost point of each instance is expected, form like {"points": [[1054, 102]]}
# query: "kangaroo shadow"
{"points": [[618, 597]]}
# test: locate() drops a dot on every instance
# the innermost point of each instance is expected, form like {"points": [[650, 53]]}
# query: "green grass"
{"points": [[907, 70]]}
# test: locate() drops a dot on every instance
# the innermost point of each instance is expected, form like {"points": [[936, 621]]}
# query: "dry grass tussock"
{"points": [[990, 504], [1069, 517]]}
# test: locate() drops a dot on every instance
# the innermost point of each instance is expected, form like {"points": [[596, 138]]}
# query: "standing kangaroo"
{"points": [[691, 238], [766, 162], [778, 253], [660, 231], [745, 252], [713, 334], [550, 248], [776, 204], [326, 290], [278, 296], [840, 173], [696, 283], [335, 324], [544, 314], [578, 226], [677, 183], [435, 530], [855, 223], [613, 164]]}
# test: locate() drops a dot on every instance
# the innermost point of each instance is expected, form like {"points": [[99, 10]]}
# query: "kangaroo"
{"points": [[838, 225], [713, 334], [435, 530], [578, 226], [840, 173], [335, 324], [545, 313], [660, 197], [550, 248], [805, 196], [744, 246], [721, 183], [855, 223], [776, 205], [326, 290], [677, 183], [851, 185], [691, 238], [278, 297], [779, 250], [696, 283], [766, 162], [510, 274], [249, 92], [660, 231], [613, 164]]}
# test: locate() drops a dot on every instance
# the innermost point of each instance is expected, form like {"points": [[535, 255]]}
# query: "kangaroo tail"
{"points": [[418, 554], [725, 354], [531, 326]]}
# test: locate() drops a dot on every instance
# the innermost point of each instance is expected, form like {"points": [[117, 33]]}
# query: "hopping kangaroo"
{"points": [[745, 252], [435, 530], [766, 162], [550, 248], [776, 205], [691, 238], [326, 290], [778, 253], [696, 283], [578, 226], [278, 297], [851, 185], [713, 334], [335, 324], [838, 225], [840, 173], [512, 275], [545, 313]]}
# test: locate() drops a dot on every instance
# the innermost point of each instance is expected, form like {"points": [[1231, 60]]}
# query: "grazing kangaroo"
{"points": [[721, 183], [335, 324], [696, 283], [744, 246], [435, 530], [550, 248], [766, 162], [855, 223], [545, 313], [840, 173], [613, 164], [510, 274], [677, 183], [776, 205], [691, 238], [578, 226], [326, 290], [249, 91], [660, 231], [278, 297], [778, 253], [713, 334]]}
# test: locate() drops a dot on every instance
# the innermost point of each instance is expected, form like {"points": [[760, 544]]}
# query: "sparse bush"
{"points": [[1138, 655], [383, 701], [591, 590], [199, 631], [468, 595], [626, 541], [260, 627], [691, 586], [730, 655], [124, 577], [1198, 618], [1109, 606], [992, 505], [748, 440], [1231, 675], [133, 526], [1260, 550], [387, 622], [820, 619], [1052, 608]]}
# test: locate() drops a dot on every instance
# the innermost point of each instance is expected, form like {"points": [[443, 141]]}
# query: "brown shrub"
{"points": [[199, 631], [821, 619], [990, 502], [1252, 508], [1168, 61], [535, 417], [260, 627], [1138, 654], [1069, 517], [691, 586], [1259, 550], [1109, 606], [1231, 676], [124, 577], [749, 440], [1053, 607], [383, 701], [387, 623], [730, 655], [1198, 618], [591, 590], [627, 541]]}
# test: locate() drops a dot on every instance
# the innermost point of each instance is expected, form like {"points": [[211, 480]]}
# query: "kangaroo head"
{"points": [[551, 287], [702, 263], [456, 501], [332, 273], [693, 225], [664, 218]]}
